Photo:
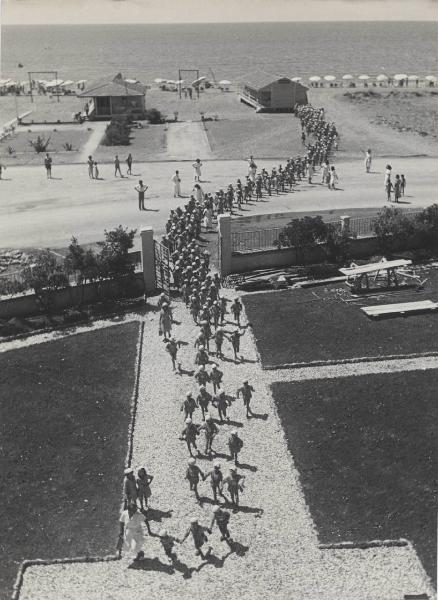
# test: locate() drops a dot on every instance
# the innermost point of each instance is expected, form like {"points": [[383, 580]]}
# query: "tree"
{"points": [[45, 277], [337, 243], [304, 234], [118, 132], [393, 229], [427, 227]]}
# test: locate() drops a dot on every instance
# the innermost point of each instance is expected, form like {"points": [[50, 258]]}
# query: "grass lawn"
{"points": [[145, 143], [65, 412], [267, 135], [316, 325], [365, 448], [24, 153]]}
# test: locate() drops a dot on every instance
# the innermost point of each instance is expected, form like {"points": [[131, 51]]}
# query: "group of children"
{"points": [[397, 188]]}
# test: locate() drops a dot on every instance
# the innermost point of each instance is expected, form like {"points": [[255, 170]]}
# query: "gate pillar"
{"points": [[148, 258]]}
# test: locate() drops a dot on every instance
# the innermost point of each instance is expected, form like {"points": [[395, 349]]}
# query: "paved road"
{"points": [[35, 212]]}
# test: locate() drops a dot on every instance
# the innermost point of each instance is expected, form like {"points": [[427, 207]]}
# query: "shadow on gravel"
{"points": [[263, 417], [251, 468], [154, 514], [152, 564]]}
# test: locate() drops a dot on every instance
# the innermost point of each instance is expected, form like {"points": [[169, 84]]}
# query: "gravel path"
{"points": [[283, 559]]}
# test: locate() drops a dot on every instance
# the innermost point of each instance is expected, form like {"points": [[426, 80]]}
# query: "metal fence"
{"points": [[265, 239]]}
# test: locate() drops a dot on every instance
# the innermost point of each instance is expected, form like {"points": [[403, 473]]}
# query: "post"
{"points": [[224, 233], [148, 258], [345, 224]]}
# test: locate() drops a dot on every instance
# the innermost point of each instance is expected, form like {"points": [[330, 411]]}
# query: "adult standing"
{"points": [[333, 178], [117, 168], [90, 163], [165, 322], [132, 537], [141, 189], [368, 160], [176, 185], [129, 163], [48, 165], [197, 170]]}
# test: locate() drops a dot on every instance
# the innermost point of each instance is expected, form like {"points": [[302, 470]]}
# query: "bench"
{"points": [[401, 308]]}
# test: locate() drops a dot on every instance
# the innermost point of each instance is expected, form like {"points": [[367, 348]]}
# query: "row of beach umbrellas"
{"points": [[161, 81], [382, 77]]}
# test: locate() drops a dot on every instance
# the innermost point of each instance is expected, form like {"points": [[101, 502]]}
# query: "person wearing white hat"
{"points": [[199, 537], [168, 542], [189, 434], [202, 376], [188, 406], [221, 517], [210, 430], [221, 402], [235, 444], [216, 479], [234, 482], [130, 487], [193, 475], [202, 357]]}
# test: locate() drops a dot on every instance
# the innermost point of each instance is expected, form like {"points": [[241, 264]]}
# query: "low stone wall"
{"points": [[26, 305]]}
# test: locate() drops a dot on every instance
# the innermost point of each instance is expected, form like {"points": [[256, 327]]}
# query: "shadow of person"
{"points": [[251, 468], [214, 560], [230, 422], [155, 514], [186, 372], [263, 417], [249, 510], [152, 564], [237, 547]]}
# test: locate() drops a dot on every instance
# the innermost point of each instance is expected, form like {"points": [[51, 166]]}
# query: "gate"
{"points": [[162, 267]]}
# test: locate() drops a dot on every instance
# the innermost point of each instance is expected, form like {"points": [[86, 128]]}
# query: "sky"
{"points": [[207, 11]]}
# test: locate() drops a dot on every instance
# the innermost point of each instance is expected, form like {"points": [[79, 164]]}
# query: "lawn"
{"points": [[65, 413], [365, 448], [145, 144], [24, 154], [308, 325], [265, 135]]}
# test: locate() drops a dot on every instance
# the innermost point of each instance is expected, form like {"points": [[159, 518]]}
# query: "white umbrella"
{"points": [[431, 78], [400, 77], [413, 77], [382, 77], [159, 80], [347, 76], [363, 77], [171, 81], [315, 78], [199, 80], [67, 83], [179, 82], [132, 81], [329, 77], [296, 79], [224, 82]]}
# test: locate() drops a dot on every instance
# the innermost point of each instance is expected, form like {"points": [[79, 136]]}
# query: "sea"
{"points": [[220, 51]]}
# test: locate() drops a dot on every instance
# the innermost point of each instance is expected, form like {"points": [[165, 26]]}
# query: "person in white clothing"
{"points": [[333, 179], [368, 159], [197, 169], [198, 192], [176, 185], [132, 535]]}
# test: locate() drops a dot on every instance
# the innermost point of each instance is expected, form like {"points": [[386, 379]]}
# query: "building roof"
{"points": [[260, 79], [113, 87]]}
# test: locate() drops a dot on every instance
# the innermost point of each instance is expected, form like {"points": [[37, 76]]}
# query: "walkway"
{"points": [[98, 129], [187, 141], [280, 556]]}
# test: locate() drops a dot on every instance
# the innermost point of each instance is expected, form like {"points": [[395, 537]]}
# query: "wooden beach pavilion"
{"points": [[116, 96], [269, 94]]}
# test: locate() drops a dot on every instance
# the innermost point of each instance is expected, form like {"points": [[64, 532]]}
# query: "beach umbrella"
{"points": [[171, 81], [179, 82], [132, 81], [296, 79], [431, 78], [400, 77], [159, 80], [224, 82], [199, 80], [382, 77], [363, 77], [347, 77], [315, 78], [413, 77], [329, 77], [67, 83]]}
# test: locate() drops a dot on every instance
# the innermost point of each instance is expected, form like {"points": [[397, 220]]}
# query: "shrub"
{"points": [[44, 277], [40, 144], [68, 147], [393, 229], [117, 132], [154, 116]]}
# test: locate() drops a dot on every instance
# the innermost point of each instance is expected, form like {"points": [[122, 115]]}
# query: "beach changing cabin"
{"points": [[268, 94], [113, 97]]}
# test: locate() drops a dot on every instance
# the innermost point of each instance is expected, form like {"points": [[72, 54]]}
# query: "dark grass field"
{"points": [[316, 325], [365, 448], [65, 411]]}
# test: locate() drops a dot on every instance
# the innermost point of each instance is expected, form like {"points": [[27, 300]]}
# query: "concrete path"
{"points": [[187, 140], [281, 557], [93, 141], [36, 212]]}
